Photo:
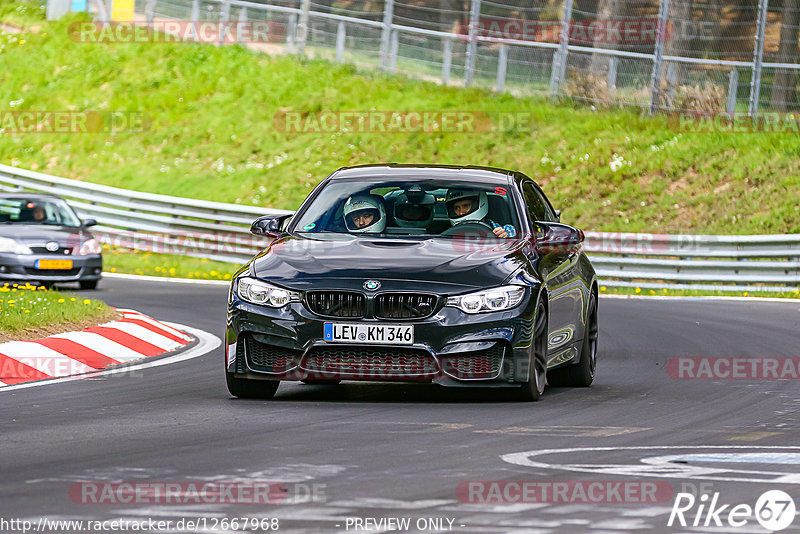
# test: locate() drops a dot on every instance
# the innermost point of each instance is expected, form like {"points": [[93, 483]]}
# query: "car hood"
{"points": [[39, 234], [343, 261]]}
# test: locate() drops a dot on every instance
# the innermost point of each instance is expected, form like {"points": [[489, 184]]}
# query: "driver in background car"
{"points": [[467, 205], [364, 214]]}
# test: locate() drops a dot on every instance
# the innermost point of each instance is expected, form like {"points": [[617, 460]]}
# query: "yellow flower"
{"points": [[113, 269], [87, 301], [602, 288], [22, 41], [72, 299], [638, 290], [60, 301]]}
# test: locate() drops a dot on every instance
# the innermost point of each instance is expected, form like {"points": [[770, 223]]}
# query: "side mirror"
{"points": [[89, 222], [557, 238], [269, 225]]}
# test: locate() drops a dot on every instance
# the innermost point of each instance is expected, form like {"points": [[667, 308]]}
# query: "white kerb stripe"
{"points": [[43, 359], [144, 334], [157, 324], [103, 345]]}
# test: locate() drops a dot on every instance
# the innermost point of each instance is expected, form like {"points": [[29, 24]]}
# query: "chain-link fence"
{"points": [[710, 56]]}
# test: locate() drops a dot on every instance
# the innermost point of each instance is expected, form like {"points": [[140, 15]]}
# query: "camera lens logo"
{"points": [[372, 285]]}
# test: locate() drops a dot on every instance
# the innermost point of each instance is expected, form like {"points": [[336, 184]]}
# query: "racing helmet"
{"points": [[360, 205], [414, 208], [478, 210]]}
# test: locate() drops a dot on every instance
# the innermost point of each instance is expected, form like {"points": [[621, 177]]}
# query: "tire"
{"points": [[533, 389], [88, 284], [321, 382], [581, 374], [251, 389]]}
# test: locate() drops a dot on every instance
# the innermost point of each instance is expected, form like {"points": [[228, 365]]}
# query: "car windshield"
{"points": [[410, 207], [37, 211]]}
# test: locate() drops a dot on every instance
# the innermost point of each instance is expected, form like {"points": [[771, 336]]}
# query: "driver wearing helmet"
{"points": [[364, 214], [465, 205]]}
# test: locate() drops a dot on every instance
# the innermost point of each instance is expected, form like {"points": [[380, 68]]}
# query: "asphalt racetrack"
{"points": [[367, 457]]}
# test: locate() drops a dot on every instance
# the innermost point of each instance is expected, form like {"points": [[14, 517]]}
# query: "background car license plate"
{"points": [[369, 333], [59, 265]]}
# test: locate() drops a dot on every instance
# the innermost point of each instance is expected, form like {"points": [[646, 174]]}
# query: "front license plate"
{"points": [[369, 333], [55, 265]]}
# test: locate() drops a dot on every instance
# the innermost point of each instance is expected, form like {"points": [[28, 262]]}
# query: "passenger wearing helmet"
{"points": [[414, 208], [465, 205], [364, 214]]}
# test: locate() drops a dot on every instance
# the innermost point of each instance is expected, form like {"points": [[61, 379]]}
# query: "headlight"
{"points": [[11, 245], [90, 247], [258, 292], [488, 300]]}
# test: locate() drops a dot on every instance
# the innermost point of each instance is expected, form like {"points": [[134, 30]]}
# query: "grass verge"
{"points": [[169, 265], [30, 312], [213, 135]]}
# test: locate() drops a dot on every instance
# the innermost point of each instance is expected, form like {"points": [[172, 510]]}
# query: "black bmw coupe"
{"points": [[462, 276]]}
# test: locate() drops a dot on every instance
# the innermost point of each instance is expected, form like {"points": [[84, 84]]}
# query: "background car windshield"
{"points": [[37, 211], [410, 207]]}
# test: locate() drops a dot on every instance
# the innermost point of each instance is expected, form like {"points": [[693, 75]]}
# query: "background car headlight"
{"points": [[488, 300], [90, 246], [258, 292], [12, 246]]}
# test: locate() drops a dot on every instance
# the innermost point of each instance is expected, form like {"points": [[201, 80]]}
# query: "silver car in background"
{"points": [[43, 241]]}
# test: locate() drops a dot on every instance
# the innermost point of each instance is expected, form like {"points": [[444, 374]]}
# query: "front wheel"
{"points": [[533, 389], [581, 374], [251, 389]]}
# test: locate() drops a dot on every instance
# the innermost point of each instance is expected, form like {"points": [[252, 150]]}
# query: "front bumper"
{"points": [[450, 347], [23, 268]]}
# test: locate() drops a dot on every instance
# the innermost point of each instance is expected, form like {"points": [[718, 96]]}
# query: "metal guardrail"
{"points": [[219, 231], [147, 221]]}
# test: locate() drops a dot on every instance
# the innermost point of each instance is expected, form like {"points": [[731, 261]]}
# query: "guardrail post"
{"points": [[758, 57], [558, 68], [302, 27], [386, 32], [502, 60], [447, 61], [291, 34], [150, 11], [224, 15], [243, 15], [340, 37], [395, 45], [195, 16], [472, 45], [613, 62], [658, 55], [733, 88]]}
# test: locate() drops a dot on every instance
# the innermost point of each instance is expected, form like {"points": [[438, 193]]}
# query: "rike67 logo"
{"points": [[774, 510]]}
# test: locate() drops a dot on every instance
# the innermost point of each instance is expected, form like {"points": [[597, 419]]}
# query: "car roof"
{"points": [[30, 196], [388, 170]]}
